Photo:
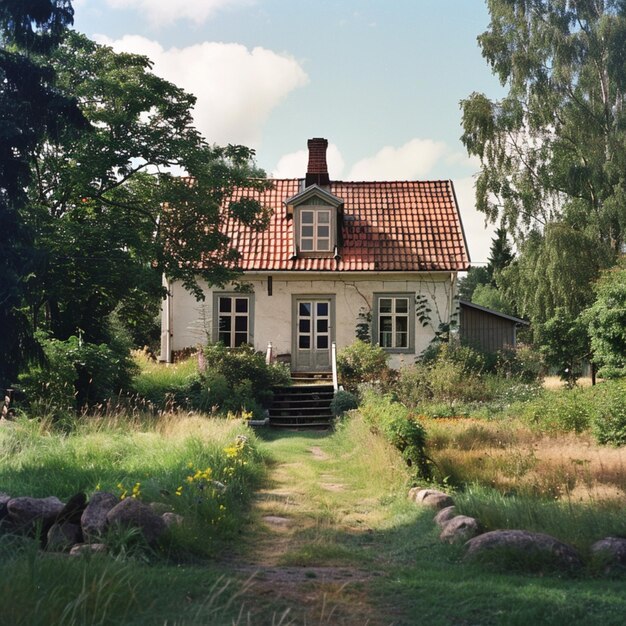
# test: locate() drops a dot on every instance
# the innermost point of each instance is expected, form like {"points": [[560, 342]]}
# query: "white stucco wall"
{"points": [[191, 321]]}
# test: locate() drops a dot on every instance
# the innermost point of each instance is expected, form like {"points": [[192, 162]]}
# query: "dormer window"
{"points": [[315, 230]]}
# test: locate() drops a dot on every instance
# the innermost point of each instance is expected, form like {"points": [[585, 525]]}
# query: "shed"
{"points": [[486, 329]]}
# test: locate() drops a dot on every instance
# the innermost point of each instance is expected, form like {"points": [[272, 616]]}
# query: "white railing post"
{"points": [[268, 354], [333, 358]]}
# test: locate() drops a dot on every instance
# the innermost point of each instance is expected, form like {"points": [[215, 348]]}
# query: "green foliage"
{"points": [[564, 343], [239, 379], [569, 410], [363, 331], [492, 298], [476, 275], [362, 362], [342, 402], [609, 420], [524, 363], [77, 375], [607, 323], [400, 427]]}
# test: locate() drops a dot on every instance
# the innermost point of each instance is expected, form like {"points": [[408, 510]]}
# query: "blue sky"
{"points": [[381, 80]]}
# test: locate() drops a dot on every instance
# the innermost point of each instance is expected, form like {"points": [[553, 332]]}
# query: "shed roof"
{"points": [[484, 309]]}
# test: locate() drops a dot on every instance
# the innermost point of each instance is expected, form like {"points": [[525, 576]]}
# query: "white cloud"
{"points": [[478, 234], [294, 164], [414, 160], [161, 12], [236, 88]]}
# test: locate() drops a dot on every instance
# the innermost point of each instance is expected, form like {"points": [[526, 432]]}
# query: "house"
{"points": [[335, 255], [487, 330]]}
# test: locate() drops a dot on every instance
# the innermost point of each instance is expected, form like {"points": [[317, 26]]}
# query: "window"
{"points": [[232, 314], [315, 230], [394, 322]]}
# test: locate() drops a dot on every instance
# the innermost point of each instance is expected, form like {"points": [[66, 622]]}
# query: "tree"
{"points": [[475, 276], [491, 297], [554, 148], [607, 322], [111, 217], [500, 255], [31, 108]]}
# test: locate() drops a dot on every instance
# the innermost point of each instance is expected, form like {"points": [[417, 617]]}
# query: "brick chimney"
{"points": [[317, 171]]}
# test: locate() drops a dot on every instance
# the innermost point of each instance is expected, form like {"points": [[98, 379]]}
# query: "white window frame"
{"points": [[316, 225], [409, 316], [233, 315]]}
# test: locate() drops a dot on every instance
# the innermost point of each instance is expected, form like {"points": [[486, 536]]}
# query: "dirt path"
{"points": [[301, 553]]}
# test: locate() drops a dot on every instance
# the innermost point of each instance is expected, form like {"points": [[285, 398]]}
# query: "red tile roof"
{"points": [[387, 226]]}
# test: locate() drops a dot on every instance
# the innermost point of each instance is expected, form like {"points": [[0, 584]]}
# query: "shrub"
{"points": [[523, 362], [362, 362], [557, 411], [342, 402], [413, 386], [609, 420], [400, 427]]}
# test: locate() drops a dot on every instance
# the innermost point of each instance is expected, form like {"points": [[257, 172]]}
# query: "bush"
{"points": [[523, 362], [413, 386], [609, 420], [362, 362], [342, 402], [556, 411], [400, 427]]}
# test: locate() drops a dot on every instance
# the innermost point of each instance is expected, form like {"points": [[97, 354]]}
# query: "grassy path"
{"points": [[334, 540]]}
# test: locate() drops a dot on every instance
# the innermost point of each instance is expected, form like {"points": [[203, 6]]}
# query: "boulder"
{"points": [[444, 516], [610, 552], [94, 518], [172, 519], [433, 499], [420, 494], [63, 536], [4, 500], [25, 512], [82, 549], [523, 545], [73, 510], [131, 513], [459, 528], [413, 493]]}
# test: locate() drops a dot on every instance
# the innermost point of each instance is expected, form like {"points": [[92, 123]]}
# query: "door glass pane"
{"points": [[322, 342], [305, 326], [304, 342], [322, 309], [225, 305], [241, 305], [322, 325], [304, 309], [241, 324]]}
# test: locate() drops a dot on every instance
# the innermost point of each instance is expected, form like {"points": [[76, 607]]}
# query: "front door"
{"points": [[313, 334]]}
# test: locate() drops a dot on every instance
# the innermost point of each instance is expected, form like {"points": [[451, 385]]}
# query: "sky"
{"points": [[380, 79]]}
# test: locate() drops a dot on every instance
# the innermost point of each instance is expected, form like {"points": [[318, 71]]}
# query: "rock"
{"points": [[413, 493], [276, 520], [172, 519], [63, 536], [25, 511], [523, 545], [131, 513], [420, 494], [4, 499], [433, 499], [459, 528], [444, 516], [94, 518], [82, 549], [611, 552], [73, 510]]}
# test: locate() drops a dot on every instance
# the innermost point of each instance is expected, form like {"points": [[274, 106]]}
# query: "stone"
{"points": [[420, 494], [459, 528], [413, 493], [437, 501], [610, 552], [62, 536], [4, 500], [132, 513], [82, 549], [94, 518], [444, 516], [26, 511], [276, 520], [524, 544], [73, 510], [172, 519]]}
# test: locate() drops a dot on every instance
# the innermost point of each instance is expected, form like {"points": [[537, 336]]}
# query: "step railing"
{"points": [[268, 353], [333, 361]]}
